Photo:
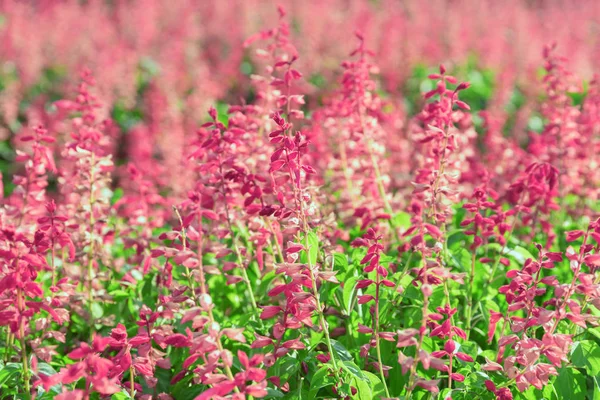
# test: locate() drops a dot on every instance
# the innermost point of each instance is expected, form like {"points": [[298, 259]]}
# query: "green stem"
{"points": [[90, 274], [413, 367], [377, 339], [9, 341], [132, 381], [277, 246], [25, 365], [322, 320], [24, 357], [469, 309], [512, 228], [402, 275], [52, 265]]}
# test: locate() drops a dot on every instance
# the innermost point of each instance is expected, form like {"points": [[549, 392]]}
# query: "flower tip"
{"points": [[281, 11]]}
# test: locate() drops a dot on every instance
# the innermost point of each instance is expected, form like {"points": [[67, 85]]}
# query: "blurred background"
{"points": [[159, 64]]}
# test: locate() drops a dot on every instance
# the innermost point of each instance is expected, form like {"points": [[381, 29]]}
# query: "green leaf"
{"points": [[287, 367], [376, 385], [529, 394], [596, 389], [438, 298], [97, 311], [340, 351], [119, 294], [353, 369], [266, 281], [349, 293], [183, 391], [313, 248], [148, 291], [593, 331], [549, 392], [340, 262], [586, 354], [120, 396], [519, 253], [9, 371], [363, 389], [456, 239], [570, 384], [462, 258], [274, 394], [137, 274], [320, 379], [164, 377], [116, 196], [223, 113], [401, 220], [46, 369]]}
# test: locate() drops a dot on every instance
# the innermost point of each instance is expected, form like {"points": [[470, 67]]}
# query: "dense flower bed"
{"points": [[344, 221]]}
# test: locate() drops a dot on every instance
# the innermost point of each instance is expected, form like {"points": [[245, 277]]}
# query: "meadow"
{"points": [[364, 199]]}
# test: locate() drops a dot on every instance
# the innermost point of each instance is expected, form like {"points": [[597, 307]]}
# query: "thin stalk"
{"points": [[347, 176], [188, 273], [378, 177], [375, 165], [402, 275], [586, 302], [9, 341], [469, 309], [573, 282], [277, 246], [510, 232], [450, 372], [413, 367], [322, 320], [386, 204], [250, 291], [24, 357], [587, 296], [52, 264], [132, 381], [25, 200], [441, 169], [236, 248], [92, 222], [377, 339], [503, 326], [200, 244], [297, 188], [25, 363]]}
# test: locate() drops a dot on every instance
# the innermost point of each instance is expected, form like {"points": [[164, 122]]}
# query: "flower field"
{"points": [[338, 199]]}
